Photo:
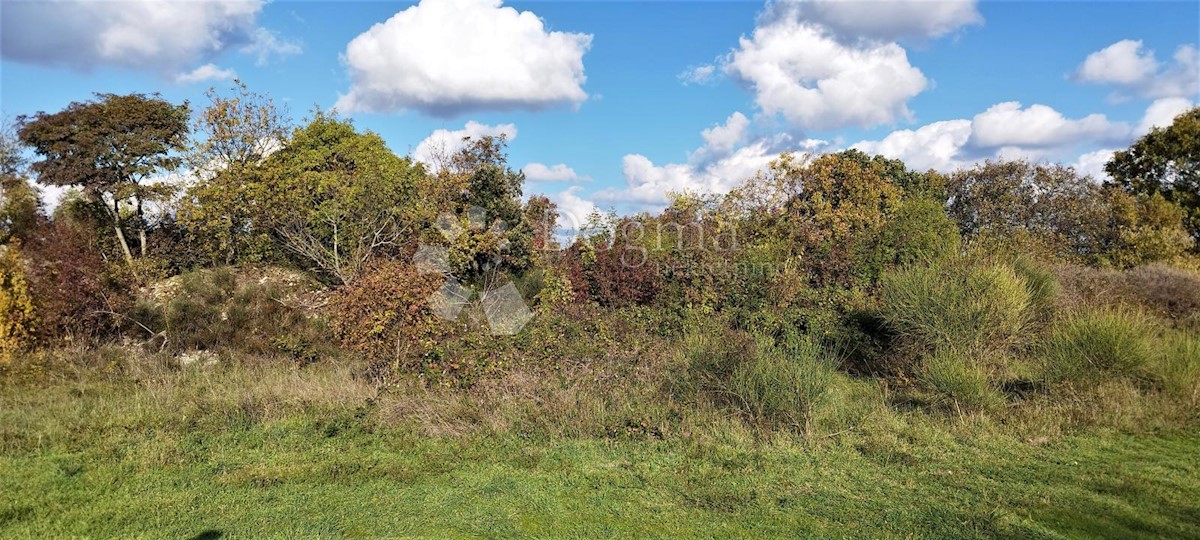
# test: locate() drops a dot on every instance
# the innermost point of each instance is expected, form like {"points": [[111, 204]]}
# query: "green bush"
{"points": [[1096, 343], [1042, 285], [961, 379], [956, 303], [919, 232], [215, 310], [1177, 367], [782, 386]]}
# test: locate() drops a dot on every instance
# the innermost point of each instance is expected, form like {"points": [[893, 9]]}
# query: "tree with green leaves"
{"points": [[337, 198], [233, 135], [477, 189], [1165, 161], [20, 203], [110, 148]]}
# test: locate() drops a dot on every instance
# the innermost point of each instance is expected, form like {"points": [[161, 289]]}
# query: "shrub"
{"points": [[956, 304], [250, 311], [707, 357], [1102, 342], [772, 385], [782, 386], [1168, 292], [612, 275], [1173, 292], [1178, 367], [920, 232], [386, 313], [1042, 286], [75, 293], [16, 306], [959, 378]]}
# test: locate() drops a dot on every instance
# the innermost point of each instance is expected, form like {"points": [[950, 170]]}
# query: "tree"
{"points": [[337, 198], [237, 131], [110, 147], [234, 136], [1052, 209], [20, 203], [480, 196], [1165, 161]]}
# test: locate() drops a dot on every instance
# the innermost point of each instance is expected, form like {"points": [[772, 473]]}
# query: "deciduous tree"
{"points": [[109, 148]]}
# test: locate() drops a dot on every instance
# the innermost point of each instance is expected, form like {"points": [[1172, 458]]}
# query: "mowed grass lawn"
{"points": [[72, 467]]}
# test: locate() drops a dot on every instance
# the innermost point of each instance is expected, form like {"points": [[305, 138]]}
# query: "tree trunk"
{"points": [[124, 244], [116, 217], [141, 228]]}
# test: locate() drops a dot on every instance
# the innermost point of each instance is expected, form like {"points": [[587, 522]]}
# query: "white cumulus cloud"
{"points": [[1092, 164], [800, 69], [1010, 131], [444, 142], [446, 57], [1134, 70], [1123, 62], [540, 172], [1039, 126], [207, 72], [1162, 112], [730, 155], [161, 35], [890, 20], [935, 146], [573, 209]]}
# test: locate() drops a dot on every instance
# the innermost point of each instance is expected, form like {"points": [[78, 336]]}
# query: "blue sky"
{"points": [[603, 88]]}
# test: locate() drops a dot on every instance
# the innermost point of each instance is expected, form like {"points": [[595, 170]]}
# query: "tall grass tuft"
{"points": [[1177, 367], [1099, 343], [960, 379], [785, 385], [956, 304]]}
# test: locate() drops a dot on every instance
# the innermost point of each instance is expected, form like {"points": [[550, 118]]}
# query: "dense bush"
{"points": [[77, 295], [961, 379], [248, 311], [16, 307], [1178, 367], [1099, 343], [387, 314], [957, 304], [1023, 207], [783, 386], [616, 274]]}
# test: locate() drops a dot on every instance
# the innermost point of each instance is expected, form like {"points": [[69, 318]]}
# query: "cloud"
{"points": [[538, 172], [1039, 126], [1135, 70], [1123, 62], [161, 35], [447, 57], [800, 69], [1162, 113], [890, 20], [265, 44], [1092, 164], [573, 210], [443, 142], [207, 72], [702, 74], [730, 155], [1010, 131], [720, 140], [935, 146]]}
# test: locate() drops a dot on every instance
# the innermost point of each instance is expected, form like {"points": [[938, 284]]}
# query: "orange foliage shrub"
{"points": [[386, 314]]}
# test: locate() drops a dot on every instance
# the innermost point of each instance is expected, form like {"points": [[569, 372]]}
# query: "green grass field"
{"points": [[102, 456]]}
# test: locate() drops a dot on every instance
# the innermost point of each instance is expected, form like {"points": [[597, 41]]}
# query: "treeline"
{"points": [[938, 278]]}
